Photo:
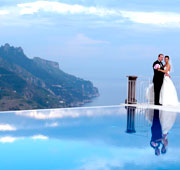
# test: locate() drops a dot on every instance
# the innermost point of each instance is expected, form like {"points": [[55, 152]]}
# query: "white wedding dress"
{"points": [[168, 94]]}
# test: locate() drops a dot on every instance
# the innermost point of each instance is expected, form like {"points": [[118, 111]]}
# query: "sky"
{"points": [[108, 37]]}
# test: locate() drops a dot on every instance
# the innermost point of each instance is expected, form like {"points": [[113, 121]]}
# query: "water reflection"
{"points": [[106, 124], [131, 120], [156, 131], [90, 138], [159, 121], [162, 122]]}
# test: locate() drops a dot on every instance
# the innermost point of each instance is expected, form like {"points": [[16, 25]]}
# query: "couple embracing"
{"points": [[162, 91]]}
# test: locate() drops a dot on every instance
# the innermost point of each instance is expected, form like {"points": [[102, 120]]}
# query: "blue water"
{"points": [[86, 139], [112, 92]]}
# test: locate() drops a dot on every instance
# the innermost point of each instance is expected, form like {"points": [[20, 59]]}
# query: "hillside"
{"points": [[37, 83]]}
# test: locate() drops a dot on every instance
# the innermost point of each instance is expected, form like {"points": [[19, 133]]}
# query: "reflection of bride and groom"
{"points": [[162, 122]]}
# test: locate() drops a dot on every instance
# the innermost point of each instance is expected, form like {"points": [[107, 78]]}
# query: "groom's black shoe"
{"points": [[158, 104]]}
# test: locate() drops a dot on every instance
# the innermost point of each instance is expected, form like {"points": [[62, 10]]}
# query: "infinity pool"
{"points": [[99, 138]]}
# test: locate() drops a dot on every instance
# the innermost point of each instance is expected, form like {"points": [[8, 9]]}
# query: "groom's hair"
{"points": [[160, 55], [167, 56]]}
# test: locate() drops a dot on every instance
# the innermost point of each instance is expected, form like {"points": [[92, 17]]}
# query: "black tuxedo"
{"points": [[158, 81]]}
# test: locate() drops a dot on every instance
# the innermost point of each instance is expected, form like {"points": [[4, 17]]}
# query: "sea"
{"points": [[110, 77]]}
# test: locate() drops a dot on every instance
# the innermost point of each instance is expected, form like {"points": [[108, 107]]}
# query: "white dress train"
{"points": [[168, 94]]}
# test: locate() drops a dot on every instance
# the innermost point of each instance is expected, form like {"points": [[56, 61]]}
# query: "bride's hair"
{"points": [[167, 56]]}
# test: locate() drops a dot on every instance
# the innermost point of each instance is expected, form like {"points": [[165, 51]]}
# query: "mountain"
{"points": [[37, 83]]}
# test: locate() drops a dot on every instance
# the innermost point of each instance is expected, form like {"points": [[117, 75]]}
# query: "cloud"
{"points": [[155, 18], [42, 137], [4, 12], [9, 139], [71, 112], [101, 15], [7, 127], [81, 39], [55, 124], [62, 8], [120, 158]]}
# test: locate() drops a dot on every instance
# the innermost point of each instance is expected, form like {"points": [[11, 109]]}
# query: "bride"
{"points": [[168, 94]]}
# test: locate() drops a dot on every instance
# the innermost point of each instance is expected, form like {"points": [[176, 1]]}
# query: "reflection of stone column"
{"points": [[131, 90], [131, 120]]}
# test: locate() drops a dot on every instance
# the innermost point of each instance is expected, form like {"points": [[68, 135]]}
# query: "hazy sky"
{"points": [[108, 34]]}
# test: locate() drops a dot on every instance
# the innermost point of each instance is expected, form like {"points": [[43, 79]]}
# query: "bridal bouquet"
{"points": [[157, 66]]}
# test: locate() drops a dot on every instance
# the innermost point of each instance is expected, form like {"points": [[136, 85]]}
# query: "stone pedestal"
{"points": [[131, 98]]}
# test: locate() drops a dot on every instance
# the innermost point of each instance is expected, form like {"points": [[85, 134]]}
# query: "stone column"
{"points": [[131, 98]]}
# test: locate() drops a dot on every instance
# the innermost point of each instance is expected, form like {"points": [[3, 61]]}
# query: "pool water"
{"points": [[94, 138]]}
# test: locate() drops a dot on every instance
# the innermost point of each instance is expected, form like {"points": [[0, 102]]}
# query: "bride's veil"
{"points": [[172, 68]]}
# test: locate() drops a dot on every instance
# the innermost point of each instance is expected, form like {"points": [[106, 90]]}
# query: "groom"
{"points": [[158, 79]]}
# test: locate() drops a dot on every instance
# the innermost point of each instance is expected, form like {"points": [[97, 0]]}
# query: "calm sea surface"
{"points": [[101, 138]]}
